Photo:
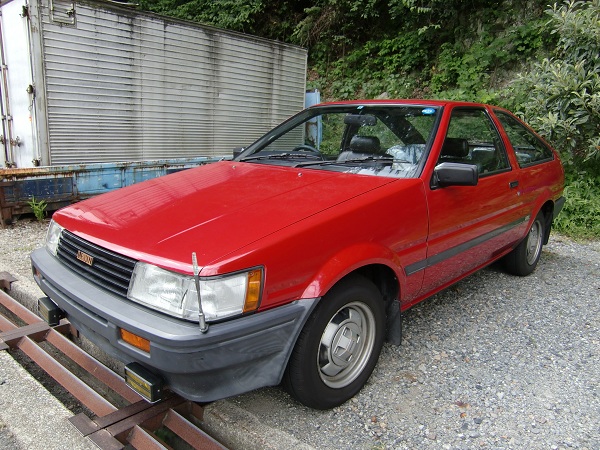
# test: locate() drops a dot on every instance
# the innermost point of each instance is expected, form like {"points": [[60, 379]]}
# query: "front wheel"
{"points": [[339, 346], [524, 258]]}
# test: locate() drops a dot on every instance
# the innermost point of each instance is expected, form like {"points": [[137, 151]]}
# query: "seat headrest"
{"points": [[455, 148], [365, 144]]}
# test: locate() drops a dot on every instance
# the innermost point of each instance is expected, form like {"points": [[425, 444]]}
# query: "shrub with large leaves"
{"points": [[562, 94], [581, 214], [560, 97]]}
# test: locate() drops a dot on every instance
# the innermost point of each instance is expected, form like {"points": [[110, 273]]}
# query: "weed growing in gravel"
{"points": [[38, 208]]}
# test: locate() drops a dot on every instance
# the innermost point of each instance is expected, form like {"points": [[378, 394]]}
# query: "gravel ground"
{"points": [[494, 362], [7, 440]]}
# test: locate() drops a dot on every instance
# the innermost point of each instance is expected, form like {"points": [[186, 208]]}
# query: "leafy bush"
{"points": [[232, 14], [560, 98], [581, 214], [480, 62], [561, 95]]}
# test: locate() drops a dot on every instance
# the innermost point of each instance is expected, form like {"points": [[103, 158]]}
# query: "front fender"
{"points": [[349, 260]]}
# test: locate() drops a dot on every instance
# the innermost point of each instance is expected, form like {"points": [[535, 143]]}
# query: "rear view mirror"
{"points": [[360, 119], [455, 174]]}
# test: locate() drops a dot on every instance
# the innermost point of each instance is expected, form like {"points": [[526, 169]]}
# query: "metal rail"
{"points": [[134, 425]]}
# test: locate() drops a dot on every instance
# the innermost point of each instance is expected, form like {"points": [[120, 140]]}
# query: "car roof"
{"points": [[402, 102]]}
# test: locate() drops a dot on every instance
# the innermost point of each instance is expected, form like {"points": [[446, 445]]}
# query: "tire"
{"points": [[339, 345], [524, 258]]}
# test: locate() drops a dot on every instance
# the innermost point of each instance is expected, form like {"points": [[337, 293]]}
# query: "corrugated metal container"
{"points": [[114, 84]]}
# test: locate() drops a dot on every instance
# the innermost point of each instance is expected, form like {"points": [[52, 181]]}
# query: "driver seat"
{"points": [[361, 147]]}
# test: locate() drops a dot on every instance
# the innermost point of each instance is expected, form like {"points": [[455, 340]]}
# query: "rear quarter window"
{"points": [[529, 149]]}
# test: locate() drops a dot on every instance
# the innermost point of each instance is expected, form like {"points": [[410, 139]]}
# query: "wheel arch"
{"points": [[379, 271], [386, 281]]}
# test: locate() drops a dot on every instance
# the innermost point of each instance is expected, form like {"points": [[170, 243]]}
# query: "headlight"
{"points": [[53, 236], [175, 294]]}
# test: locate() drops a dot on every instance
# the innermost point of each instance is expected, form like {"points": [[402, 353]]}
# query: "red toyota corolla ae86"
{"points": [[293, 262]]}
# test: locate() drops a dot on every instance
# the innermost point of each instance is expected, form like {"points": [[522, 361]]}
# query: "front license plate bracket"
{"points": [[144, 382], [49, 311]]}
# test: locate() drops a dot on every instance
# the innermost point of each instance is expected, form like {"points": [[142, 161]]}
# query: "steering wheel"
{"points": [[305, 148]]}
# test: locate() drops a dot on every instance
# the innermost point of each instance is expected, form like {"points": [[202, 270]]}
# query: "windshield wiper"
{"points": [[384, 158], [369, 158], [281, 156]]}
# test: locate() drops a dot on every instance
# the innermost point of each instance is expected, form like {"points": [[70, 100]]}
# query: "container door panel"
{"points": [[16, 86]]}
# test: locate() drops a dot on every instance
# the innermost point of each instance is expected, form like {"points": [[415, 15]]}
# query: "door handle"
{"points": [[513, 184]]}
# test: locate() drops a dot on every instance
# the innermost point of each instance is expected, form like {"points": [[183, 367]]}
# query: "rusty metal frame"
{"points": [[111, 428]]}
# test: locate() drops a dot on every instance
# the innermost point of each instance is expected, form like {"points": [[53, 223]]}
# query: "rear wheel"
{"points": [[524, 258], [339, 346]]}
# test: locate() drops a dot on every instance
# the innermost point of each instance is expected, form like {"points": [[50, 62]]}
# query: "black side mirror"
{"points": [[454, 174]]}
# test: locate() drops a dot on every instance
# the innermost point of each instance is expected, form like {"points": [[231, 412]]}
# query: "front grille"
{"points": [[108, 270]]}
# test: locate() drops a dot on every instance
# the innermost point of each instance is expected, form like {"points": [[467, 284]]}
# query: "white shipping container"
{"points": [[85, 82]]}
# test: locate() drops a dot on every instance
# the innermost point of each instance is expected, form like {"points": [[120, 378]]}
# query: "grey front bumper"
{"points": [[231, 358]]}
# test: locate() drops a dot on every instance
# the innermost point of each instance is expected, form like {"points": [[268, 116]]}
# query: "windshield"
{"points": [[381, 140]]}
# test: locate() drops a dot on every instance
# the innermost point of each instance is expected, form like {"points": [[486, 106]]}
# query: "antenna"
{"points": [[201, 318]]}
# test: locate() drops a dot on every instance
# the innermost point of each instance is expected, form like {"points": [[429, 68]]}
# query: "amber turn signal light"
{"points": [[253, 290], [135, 340]]}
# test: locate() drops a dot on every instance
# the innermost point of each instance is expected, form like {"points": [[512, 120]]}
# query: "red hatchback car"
{"points": [[293, 262]]}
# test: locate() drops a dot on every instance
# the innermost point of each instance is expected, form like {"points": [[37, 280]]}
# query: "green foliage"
{"points": [[560, 96], [38, 208], [580, 216], [231, 14], [436, 49], [472, 66], [403, 52]]}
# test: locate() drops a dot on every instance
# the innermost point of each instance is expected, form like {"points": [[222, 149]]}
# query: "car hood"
{"points": [[212, 210]]}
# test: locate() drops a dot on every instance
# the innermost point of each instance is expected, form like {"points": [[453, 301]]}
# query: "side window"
{"points": [[472, 138], [529, 149]]}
